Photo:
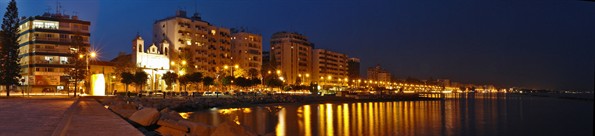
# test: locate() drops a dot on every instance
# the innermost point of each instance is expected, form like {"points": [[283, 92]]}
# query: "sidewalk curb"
{"points": [[64, 123]]}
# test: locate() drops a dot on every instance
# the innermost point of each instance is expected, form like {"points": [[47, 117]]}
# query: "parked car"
{"points": [[208, 93], [158, 92]]}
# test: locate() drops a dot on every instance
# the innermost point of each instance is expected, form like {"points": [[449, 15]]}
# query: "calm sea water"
{"points": [[459, 114]]}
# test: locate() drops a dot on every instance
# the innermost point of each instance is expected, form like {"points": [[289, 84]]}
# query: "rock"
{"points": [[172, 124], [196, 128], [125, 110], [145, 116], [167, 131], [170, 115], [231, 129]]}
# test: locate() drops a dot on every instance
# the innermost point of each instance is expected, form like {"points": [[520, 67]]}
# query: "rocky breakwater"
{"points": [[160, 120]]}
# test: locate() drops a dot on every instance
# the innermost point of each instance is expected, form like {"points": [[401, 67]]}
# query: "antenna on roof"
{"points": [[195, 6], [47, 10], [58, 8]]}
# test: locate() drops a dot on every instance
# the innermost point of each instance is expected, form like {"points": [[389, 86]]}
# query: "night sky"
{"points": [[524, 43]]}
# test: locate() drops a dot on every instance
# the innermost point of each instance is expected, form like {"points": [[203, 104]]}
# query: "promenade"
{"points": [[59, 116]]}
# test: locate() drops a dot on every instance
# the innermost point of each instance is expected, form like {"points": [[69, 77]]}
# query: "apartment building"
{"points": [[195, 45], [246, 50], [46, 50], [329, 67], [293, 55]]}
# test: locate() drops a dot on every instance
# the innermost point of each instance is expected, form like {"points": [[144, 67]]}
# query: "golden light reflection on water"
{"points": [[359, 119], [345, 119], [307, 118], [280, 129], [185, 115], [329, 120], [362, 119]]}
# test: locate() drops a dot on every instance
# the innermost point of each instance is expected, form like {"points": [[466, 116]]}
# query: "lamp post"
{"points": [[88, 73]]}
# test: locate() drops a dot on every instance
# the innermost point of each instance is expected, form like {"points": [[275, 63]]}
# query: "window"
{"points": [[38, 24], [45, 24], [63, 60], [49, 59], [85, 27]]}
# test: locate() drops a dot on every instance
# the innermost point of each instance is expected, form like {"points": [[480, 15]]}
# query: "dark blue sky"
{"points": [[526, 43]]}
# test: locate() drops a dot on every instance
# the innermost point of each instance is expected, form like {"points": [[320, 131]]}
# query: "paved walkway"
{"points": [[22, 116], [55, 116], [91, 118]]}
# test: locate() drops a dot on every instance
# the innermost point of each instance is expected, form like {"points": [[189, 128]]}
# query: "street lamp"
{"points": [[308, 77], [87, 78], [301, 79]]}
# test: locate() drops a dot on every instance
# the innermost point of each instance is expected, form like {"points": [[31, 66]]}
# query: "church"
{"points": [[154, 61]]}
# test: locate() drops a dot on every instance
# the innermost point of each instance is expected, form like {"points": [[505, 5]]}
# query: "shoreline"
{"points": [[300, 100], [312, 102]]}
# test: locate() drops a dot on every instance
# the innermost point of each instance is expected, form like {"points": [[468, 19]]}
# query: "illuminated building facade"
{"points": [[202, 46], [45, 47], [154, 61], [329, 67], [103, 78], [293, 55], [246, 50]]}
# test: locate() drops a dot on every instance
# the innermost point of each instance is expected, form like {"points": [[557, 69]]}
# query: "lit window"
{"points": [[63, 60]]}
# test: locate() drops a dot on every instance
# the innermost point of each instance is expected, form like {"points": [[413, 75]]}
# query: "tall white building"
{"points": [[195, 45]]}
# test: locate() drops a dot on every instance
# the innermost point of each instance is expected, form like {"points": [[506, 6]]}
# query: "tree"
{"points": [[127, 79], [10, 67], [255, 81], [140, 79], [226, 80], [252, 73], [184, 80], [298, 81], [208, 81], [169, 78], [195, 77], [238, 72], [273, 81], [78, 72], [242, 82]]}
